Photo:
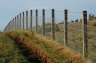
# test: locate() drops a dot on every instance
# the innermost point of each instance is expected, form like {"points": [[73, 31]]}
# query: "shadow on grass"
{"points": [[25, 52]]}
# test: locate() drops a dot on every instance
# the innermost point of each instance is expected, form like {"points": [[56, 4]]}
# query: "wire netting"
{"points": [[75, 29]]}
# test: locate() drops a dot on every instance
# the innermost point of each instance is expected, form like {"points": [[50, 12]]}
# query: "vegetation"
{"points": [[92, 17], [92, 23], [75, 37], [47, 50], [9, 53]]}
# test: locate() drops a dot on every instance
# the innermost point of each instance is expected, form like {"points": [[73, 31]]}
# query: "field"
{"points": [[27, 47], [75, 37]]}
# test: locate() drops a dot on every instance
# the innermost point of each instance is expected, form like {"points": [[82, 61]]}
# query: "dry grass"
{"points": [[75, 38], [47, 50], [9, 53], [66, 55], [34, 49], [92, 23]]}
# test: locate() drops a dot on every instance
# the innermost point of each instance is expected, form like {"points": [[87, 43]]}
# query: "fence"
{"points": [[58, 25]]}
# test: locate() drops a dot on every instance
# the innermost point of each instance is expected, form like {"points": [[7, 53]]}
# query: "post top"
{"points": [[26, 11], [43, 9], [30, 10], [84, 11], [53, 9], [66, 10]]}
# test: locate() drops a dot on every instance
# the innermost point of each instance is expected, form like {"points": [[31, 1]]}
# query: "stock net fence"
{"points": [[52, 24]]}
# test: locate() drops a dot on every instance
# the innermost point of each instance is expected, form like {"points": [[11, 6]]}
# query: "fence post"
{"points": [[6, 28], [43, 22], [65, 28], [53, 24], [9, 26], [85, 45], [15, 24], [20, 20], [23, 21], [36, 20], [26, 20], [12, 25], [31, 20]]}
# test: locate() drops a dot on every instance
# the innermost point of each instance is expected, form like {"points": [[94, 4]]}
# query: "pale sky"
{"points": [[10, 8]]}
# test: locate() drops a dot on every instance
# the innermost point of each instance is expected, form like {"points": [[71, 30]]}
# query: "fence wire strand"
{"points": [[75, 33]]}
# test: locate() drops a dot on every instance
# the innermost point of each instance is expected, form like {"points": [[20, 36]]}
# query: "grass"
{"points": [[47, 50], [51, 52], [9, 53], [75, 37], [92, 22]]}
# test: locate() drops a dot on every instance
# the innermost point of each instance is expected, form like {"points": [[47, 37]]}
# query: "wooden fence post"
{"points": [[85, 45], [23, 21], [53, 24], [31, 19], [20, 21], [15, 24], [26, 20], [9, 26], [65, 28], [36, 20], [43, 22]]}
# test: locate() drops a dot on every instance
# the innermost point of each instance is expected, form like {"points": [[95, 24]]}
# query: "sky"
{"points": [[10, 8]]}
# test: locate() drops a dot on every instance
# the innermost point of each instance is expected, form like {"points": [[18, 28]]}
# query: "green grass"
{"points": [[53, 50], [75, 41], [75, 37], [9, 52]]}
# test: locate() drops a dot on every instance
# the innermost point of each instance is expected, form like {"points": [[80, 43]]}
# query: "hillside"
{"points": [[46, 50], [75, 37], [9, 52]]}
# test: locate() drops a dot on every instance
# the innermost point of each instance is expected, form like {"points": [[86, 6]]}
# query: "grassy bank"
{"points": [[48, 50], [9, 52]]}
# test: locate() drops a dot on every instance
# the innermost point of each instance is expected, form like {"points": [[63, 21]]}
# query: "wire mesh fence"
{"points": [[75, 36], [51, 23], [92, 43]]}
